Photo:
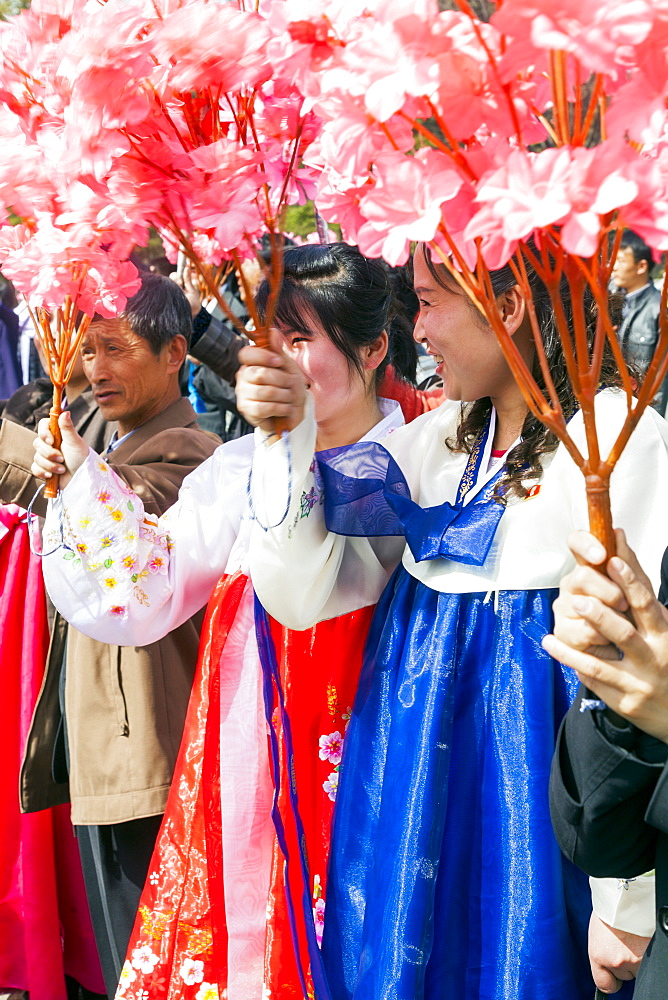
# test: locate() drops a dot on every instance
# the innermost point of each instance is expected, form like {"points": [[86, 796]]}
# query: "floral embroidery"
{"points": [[331, 747], [51, 539], [308, 502], [200, 940], [319, 919], [318, 909], [154, 878], [192, 972], [144, 959], [333, 706], [154, 924], [207, 991], [331, 785], [128, 976], [142, 597], [119, 543], [158, 565], [332, 699]]}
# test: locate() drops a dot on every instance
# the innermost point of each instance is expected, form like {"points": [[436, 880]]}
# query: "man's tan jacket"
{"points": [[125, 706]]}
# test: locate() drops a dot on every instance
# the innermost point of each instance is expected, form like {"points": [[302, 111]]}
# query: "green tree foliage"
{"points": [[9, 7], [300, 220]]}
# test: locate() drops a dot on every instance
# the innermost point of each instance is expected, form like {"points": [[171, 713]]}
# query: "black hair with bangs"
{"points": [[347, 293]]}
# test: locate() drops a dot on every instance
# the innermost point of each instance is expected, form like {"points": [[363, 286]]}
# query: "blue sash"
{"points": [[366, 494]]}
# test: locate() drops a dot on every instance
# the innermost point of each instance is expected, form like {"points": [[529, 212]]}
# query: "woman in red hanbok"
{"points": [[236, 894]]}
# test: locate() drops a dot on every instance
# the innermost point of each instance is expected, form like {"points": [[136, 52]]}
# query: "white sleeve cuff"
{"points": [[280, 469], [627, 905]]}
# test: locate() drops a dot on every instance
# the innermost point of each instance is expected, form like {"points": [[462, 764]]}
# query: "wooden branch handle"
{"points": [[277, 424], [51, 489], [600, 515]]}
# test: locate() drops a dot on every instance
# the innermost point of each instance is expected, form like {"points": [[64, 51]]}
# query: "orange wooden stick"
{"points": [[60, 350]]}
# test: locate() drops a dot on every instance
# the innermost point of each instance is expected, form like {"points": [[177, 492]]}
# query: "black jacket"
{"points": [[639, 329], [609, 804]]}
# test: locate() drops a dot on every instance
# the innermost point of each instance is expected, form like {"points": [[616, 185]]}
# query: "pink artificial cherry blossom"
{"points": [[409, 191], [212, 45], [602, 35]]}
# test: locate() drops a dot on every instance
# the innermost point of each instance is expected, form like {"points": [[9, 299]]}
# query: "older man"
{"points": [[108, 723]]}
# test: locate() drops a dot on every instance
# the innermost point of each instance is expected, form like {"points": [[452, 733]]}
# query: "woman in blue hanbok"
{"points": [[445, 880]]}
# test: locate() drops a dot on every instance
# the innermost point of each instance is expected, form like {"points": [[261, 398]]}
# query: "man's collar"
{"points": [[638, 291], [177, 414]]}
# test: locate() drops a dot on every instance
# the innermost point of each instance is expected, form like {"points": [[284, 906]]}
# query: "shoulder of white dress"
{"points": [[442, 420]]}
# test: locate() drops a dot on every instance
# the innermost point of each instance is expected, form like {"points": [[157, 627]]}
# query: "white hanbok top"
{"points": [[129, 578], [333, 574]]}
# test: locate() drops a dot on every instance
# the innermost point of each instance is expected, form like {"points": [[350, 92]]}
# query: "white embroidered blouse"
{"points": [[128, 578], [332, 574]]}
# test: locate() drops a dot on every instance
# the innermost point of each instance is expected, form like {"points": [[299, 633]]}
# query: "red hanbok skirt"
{"points": [[179, 946]]}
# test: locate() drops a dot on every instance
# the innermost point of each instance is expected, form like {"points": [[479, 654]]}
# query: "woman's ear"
{"points": [[512, 308], [374, 354]]}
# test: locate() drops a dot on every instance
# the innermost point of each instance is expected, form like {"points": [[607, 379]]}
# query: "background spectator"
{"points": [[638, 331]]}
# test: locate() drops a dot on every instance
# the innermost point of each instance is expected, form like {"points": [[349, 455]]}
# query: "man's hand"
{"points": [[614, 955], [269, 385], [49, 461], [627, 665]]}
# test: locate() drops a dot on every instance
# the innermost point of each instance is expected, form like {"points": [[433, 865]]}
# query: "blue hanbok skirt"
{"points": [[445, 879]]}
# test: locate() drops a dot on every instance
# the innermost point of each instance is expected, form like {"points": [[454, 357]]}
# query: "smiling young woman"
{"points": [[444, 876]]}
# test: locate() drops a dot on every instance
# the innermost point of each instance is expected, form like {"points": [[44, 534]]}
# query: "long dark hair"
{"points": [[524, 461], [349, 294]]}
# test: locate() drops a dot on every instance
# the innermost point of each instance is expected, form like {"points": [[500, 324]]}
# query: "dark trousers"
{"points": [[115, 861]]}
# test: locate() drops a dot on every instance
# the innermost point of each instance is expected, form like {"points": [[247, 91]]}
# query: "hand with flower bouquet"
{"points": [[64, 287], [534, 138], [68, 253], [165, 115]]}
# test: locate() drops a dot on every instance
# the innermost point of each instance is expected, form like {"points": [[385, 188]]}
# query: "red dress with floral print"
{"points": [[178, 947]]}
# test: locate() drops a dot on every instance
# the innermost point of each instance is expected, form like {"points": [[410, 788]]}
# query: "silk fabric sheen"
{"points": [[445, 878]]}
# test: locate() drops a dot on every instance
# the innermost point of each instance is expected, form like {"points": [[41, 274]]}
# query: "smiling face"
{"points": [[130, 382], [468, 356], [335, 387]]}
